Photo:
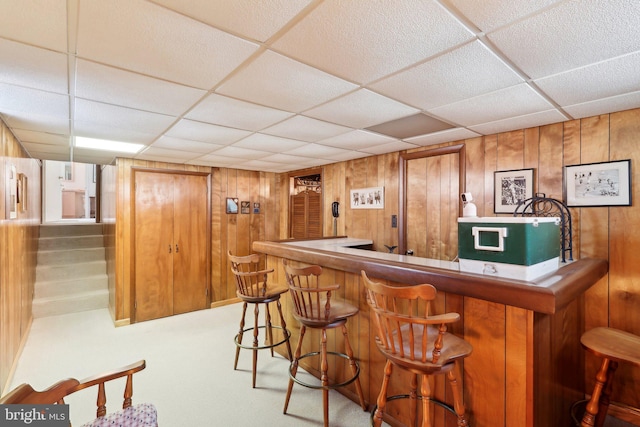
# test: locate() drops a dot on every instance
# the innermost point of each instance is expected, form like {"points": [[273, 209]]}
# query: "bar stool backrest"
{"points": [[251, 281], [311, 302]]}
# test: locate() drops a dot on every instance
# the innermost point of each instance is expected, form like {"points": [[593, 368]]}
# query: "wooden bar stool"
{"points": [[252, 288], [413, 339], [314, 308], [613, 346]]}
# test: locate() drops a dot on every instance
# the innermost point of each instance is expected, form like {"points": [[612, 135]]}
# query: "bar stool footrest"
{"points": [[330, 386], [406, 396], [287, 335]]}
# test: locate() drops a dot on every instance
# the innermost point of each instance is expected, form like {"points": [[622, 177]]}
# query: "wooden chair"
{"points": [[613, 346], [314, 308], [413, 339], [252, 288], [141, 415]]}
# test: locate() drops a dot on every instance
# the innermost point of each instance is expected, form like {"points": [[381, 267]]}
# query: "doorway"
{"points": [[69, 192]]}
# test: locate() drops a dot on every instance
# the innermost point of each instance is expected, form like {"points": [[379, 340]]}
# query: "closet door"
{"points": [[190, 266], [154, 212]]}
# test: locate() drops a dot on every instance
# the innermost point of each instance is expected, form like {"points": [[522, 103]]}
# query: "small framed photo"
{"points": [[510, 188], [245, 207], [256, 208], [367, 198], [232, 205], [598, 184]]}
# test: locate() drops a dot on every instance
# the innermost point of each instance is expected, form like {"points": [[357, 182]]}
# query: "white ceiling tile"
{"points": [[305, 129], [186, 145], [269, 143], [33, 67], [513, 101], [283, 83], [521, 122], [571, 35], [35, 22], [20, 120], [42, 137], [364, 40], [215, 160], [488, 15], [261, 165], [121, 117], [348, 155], [465, 72], [31, 101], [442, 136], [107, 132], [361, 109], [602, 80], [257, 20], [206, 132], [113, 86], [289, 159], [225, 111], [356, 140], [149, 39], [241, 153], [390, 147], [315, 151], [163, 154], [34, 147], [606, 105]]}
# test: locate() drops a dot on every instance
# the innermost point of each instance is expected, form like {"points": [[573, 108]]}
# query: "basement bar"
{"points": [[527, 366]]}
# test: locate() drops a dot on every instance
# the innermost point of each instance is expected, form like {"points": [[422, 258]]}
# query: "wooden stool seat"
{"points": [[252, 288], [411, 338], [613, 346], [314, 308]]}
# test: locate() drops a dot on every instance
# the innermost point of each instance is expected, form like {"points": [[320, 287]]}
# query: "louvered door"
{"points": [[306, 215]]}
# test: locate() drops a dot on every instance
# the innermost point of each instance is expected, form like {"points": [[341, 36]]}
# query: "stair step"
{"points": [[59, 288], [65, 230], [43, 307], [70, 256], [70, 271], [70, 242]]}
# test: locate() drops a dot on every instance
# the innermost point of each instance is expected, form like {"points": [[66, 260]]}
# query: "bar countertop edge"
{"points": [[547, 294]]}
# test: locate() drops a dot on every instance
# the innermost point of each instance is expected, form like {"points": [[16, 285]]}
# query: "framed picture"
{"points": [[232, 205], [22, 192], [367, 198], [12, 192], [510, 188], [598, 184], [245, 207], [256, 208]]}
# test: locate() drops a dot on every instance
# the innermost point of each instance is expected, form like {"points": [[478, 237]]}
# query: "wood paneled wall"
{"points": [[18, 250]]}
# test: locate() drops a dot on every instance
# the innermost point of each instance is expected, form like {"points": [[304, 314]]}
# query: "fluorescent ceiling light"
{"points": [[106, 145]]}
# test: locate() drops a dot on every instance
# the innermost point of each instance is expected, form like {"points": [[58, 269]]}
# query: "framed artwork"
{"points": [[245, 207], [598, 184], [367, 198], [12, 192], [232, 205], [256, 208], [510, 188]]}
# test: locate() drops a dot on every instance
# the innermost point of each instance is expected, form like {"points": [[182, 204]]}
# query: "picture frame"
{"points": [[367, 198], [245, 207], [12, 192], [256, 208], [598, 184], [510, 187], [22, 192], [232, 205]]}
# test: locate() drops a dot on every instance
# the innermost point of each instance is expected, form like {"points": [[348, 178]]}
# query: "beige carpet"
{"points": [[189, 375]]}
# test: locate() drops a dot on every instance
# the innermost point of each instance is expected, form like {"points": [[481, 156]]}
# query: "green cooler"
{"points": [[521, 248]]}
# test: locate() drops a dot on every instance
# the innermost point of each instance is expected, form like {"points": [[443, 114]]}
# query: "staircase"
{"points": [[71, 274]]}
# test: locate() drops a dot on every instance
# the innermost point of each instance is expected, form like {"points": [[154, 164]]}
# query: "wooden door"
{"points": [[306, 215], [190, 266], [153, 222]]}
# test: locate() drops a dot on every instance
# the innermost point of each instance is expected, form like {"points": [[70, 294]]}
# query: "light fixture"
{"points": [[106, 145]]}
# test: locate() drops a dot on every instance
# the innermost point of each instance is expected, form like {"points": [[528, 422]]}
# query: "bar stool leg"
{"points": [[256, 313], [269, 335], [413, 399], [285, 331], [458, 403], [591, 410], [354, 368], [294, 367], [324, 377], [381, 403], [606, 395], [425, 391], [240, 333]]}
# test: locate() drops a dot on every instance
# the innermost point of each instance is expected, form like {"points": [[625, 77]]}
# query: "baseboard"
{"points": [[225, 302], [625, 413], [14, 365], [122, 322]]}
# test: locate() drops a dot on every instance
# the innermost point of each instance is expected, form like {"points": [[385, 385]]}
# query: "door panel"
{"points": [[190, 231], [153, 245]]}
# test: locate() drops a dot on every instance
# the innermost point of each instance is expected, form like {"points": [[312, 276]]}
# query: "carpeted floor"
{"points": [[189, 374]]}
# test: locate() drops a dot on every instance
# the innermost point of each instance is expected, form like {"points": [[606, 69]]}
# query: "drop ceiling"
{"points": [[279, 85]]}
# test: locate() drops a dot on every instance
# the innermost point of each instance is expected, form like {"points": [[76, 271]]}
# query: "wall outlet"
{"points": [[394, 221]]}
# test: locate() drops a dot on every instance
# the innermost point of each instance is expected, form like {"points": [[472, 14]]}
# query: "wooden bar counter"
{"points": [[527, 365]]}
